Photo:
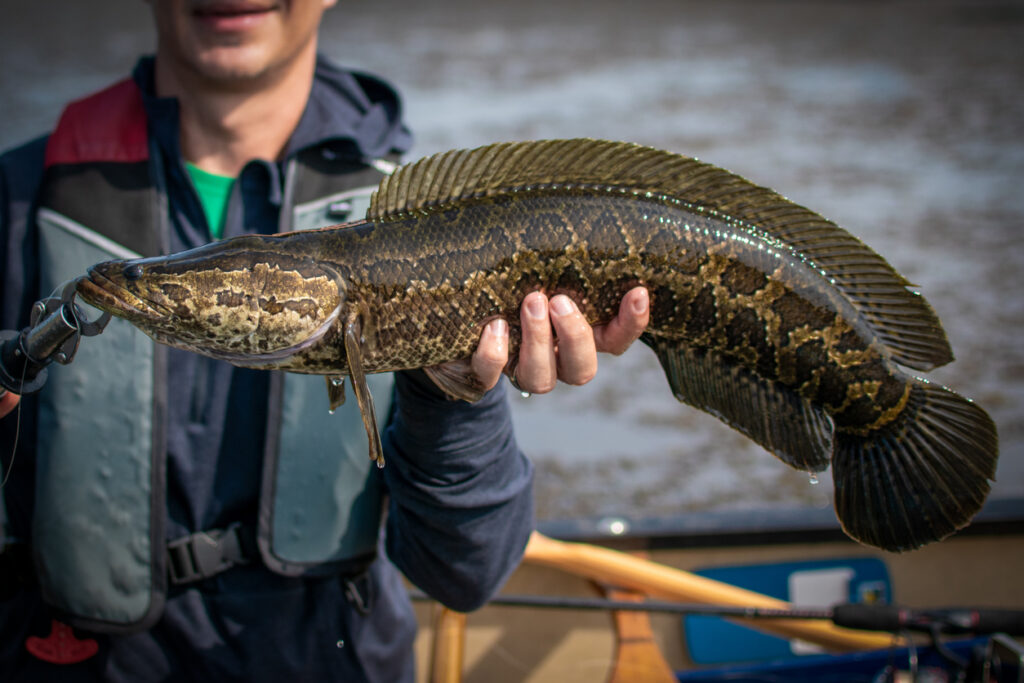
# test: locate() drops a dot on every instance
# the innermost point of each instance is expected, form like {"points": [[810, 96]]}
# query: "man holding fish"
{"points": [[197, 521]]}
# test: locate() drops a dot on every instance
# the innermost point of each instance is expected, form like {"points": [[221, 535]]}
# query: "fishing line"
{"points": [[53, 334], [17, 432]]}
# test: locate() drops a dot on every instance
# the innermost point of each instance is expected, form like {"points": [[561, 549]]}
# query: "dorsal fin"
{"points": [[901, 319]]}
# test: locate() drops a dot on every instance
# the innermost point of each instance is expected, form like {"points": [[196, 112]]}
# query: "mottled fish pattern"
{"points": [[763, 313]]}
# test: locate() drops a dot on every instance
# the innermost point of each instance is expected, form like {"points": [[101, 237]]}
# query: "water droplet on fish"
{"points": [[812, 478], [337, 381], [330, 411], [525, 394]]}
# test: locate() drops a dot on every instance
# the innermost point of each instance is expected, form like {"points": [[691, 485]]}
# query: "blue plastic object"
{"points": [[875, 666], [713, 640]]}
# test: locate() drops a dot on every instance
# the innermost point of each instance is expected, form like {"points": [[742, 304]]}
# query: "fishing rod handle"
{"points": [[949, 620]]}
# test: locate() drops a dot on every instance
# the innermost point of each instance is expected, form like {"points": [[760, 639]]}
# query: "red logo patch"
{"points": [[61, 646]]}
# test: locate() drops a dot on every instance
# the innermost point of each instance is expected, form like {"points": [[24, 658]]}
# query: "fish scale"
{"points": [[763, 313]]}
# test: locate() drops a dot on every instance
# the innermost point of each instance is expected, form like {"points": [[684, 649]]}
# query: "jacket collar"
{"points": [[351, 107]]}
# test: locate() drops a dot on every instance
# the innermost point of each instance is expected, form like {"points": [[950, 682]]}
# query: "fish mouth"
{"points": [[100, 291]]}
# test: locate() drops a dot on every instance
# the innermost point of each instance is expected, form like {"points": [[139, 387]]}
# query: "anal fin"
{"points": [[773, 415], [354, 352]]}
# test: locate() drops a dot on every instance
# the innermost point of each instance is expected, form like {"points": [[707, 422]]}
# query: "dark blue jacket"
{"points": [[460, 506]]}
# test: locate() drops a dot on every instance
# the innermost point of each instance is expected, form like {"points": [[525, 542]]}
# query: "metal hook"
{"points": [[56, 327], [87, 328]]}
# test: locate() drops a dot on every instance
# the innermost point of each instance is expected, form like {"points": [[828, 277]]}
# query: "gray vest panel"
{"points": [[323, 480], [93, 528]]}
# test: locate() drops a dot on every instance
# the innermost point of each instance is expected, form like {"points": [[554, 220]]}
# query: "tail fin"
{"points": [[921, 477]]}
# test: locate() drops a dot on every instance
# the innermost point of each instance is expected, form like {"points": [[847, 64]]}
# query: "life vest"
{"points": [[98, 536]]}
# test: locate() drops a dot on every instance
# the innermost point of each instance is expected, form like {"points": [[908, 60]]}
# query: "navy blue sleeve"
{"points": [[461, 506]]}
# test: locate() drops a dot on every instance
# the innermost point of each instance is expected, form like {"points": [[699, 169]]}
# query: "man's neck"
{"points": [[224, 128]]}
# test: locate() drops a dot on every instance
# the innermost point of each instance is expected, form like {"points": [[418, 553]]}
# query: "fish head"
{"points": [[244, 300]]}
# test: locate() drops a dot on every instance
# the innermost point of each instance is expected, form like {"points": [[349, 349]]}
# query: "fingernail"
{"points": [[640, 305], [535, 307], [499, 328], [561, 305]]}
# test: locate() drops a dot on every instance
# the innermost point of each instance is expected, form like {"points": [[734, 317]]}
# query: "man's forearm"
{"points": [[461, 492]]}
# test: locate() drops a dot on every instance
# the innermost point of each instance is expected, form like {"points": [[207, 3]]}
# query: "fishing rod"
{"points": [[55, 328], [892, 618]]}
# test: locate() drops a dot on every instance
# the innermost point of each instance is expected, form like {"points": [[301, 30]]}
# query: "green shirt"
{"points": [[214, 191]]}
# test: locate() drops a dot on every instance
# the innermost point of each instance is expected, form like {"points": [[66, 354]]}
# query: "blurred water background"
{"points": [[902, 120]]}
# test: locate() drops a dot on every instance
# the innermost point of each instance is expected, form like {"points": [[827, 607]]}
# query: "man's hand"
{"points": [[557, 343], [8, 401]]}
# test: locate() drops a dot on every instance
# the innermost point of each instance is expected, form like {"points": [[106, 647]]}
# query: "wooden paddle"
{"points": [[619, 569]]}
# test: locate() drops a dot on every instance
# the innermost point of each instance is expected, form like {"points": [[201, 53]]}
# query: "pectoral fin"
{"points": [[335, 393], [354, 351], [457, 379]]}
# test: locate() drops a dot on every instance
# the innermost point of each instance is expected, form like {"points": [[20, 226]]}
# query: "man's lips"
{"points": [[232, 16], [231, 7]]}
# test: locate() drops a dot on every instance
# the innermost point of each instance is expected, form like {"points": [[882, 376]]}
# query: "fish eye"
{"points": [[132, 272]]}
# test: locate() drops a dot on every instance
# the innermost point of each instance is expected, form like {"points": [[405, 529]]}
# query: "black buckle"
{"points": [[204, 554], [359, 591]]}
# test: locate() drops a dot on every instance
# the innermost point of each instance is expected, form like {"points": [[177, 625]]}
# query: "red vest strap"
{"points": [[107, 126]]}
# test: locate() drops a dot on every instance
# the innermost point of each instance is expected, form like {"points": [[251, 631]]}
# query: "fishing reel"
{"points": [[56, 327]]}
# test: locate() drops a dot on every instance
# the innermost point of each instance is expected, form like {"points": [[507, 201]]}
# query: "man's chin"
{"points": [[227, 64]]}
